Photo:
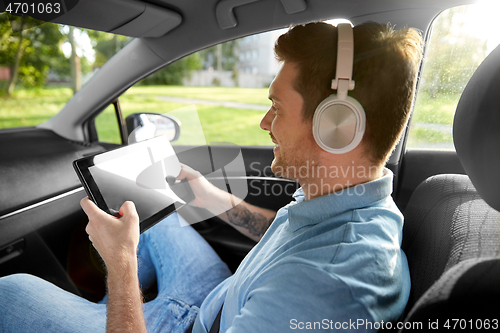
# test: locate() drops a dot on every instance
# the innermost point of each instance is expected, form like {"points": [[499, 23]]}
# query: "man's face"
{"points": [[294, 142]]}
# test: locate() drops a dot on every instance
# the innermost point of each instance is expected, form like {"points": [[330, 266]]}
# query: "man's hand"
{"points": [[250, 220], [207, 195], [115, 238]]}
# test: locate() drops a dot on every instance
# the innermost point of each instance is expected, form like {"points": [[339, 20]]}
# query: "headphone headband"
{"points": [[345, 53]]}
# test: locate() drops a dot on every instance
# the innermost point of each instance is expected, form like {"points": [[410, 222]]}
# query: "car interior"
{"points": [[450, 198]]}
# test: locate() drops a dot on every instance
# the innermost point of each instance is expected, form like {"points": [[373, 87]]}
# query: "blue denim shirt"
{"points": [[327, 263]]}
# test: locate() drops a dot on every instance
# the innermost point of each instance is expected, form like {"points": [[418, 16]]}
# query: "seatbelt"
{"points": [[215, 326]]}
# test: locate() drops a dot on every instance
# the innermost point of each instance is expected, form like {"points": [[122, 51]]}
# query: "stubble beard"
{"points": [[285, 166]]}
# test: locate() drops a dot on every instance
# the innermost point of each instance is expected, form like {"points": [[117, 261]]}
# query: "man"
{"points": [[329, 258]]}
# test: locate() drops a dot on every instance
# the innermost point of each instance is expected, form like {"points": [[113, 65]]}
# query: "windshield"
{"points": [[43, 64]]}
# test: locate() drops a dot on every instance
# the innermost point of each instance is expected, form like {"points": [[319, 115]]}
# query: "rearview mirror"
{"points": [[143, 126]]}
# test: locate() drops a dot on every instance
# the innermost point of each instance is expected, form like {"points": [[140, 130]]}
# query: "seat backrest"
{"points": [[466, 292], [446, 222], [452, 222]]}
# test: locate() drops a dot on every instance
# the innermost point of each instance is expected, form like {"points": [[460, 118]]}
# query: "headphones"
{"points": [[339, 120]]}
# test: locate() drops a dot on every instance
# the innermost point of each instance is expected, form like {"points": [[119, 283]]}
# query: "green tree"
{"points": [[220, 57], [30, 48], [175, 72], [105, 45], [75, 63]]}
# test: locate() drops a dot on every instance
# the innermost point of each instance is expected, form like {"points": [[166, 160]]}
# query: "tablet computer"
{"points": [[138, 173]]}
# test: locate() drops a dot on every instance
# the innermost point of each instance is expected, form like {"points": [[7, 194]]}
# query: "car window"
{"points": [[219, 94], [107, 126], [43, 64], [460, 39]]}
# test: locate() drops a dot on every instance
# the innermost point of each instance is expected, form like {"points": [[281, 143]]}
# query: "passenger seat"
{"points": [[452, 222]]}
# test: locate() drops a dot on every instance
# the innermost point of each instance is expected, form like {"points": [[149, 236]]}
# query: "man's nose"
{"points": [[265, 123]]}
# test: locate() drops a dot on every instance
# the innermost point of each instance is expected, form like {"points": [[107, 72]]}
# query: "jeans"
{"points": [[185, 267]]}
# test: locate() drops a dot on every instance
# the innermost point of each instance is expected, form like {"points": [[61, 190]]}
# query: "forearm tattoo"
{"points": [[256, 223]]}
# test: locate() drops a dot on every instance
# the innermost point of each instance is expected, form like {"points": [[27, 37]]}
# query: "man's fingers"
{"points": [[92, 211], [182, 174], [188, 173], [90, 208], [110, 235], [89, 229], [128, 209]]}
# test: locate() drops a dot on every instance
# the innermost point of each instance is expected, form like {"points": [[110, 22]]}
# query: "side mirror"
{"points": [[143, 126]]}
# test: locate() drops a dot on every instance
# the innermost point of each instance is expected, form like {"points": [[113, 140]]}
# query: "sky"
{"points": [[482, 22]]}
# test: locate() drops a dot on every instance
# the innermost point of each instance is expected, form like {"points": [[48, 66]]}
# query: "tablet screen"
{"points": [[133, 173]]}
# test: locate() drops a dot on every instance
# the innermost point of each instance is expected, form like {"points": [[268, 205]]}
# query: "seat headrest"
{"points": [[476, 129]]}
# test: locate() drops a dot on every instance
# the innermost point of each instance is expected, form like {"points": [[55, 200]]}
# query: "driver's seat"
{"points": [[452, 222]]}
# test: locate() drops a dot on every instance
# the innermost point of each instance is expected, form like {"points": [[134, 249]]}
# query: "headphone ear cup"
{"points": [[339, 124]]}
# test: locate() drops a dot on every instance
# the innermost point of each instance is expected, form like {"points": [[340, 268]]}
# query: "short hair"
{"points": [[386, 63]]}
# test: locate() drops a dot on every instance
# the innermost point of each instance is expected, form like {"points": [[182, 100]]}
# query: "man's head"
{"points": [[295, 145], [385, 69]]}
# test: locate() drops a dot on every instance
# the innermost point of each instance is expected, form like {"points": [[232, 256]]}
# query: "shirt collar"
{"points": [[308, 212]]}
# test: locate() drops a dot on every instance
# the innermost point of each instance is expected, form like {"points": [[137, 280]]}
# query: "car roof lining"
{"points": [[251, 16], [125, 17]]}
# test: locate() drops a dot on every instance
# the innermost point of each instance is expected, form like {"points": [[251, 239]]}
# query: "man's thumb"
{"points": [[128, 209]]}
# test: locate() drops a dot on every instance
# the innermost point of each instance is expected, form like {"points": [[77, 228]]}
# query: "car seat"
{"points": [[452, 222]]}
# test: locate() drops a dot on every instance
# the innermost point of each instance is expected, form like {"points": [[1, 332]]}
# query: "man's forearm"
{"points": [[116, 239], [250, 220], [125, 312]]}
